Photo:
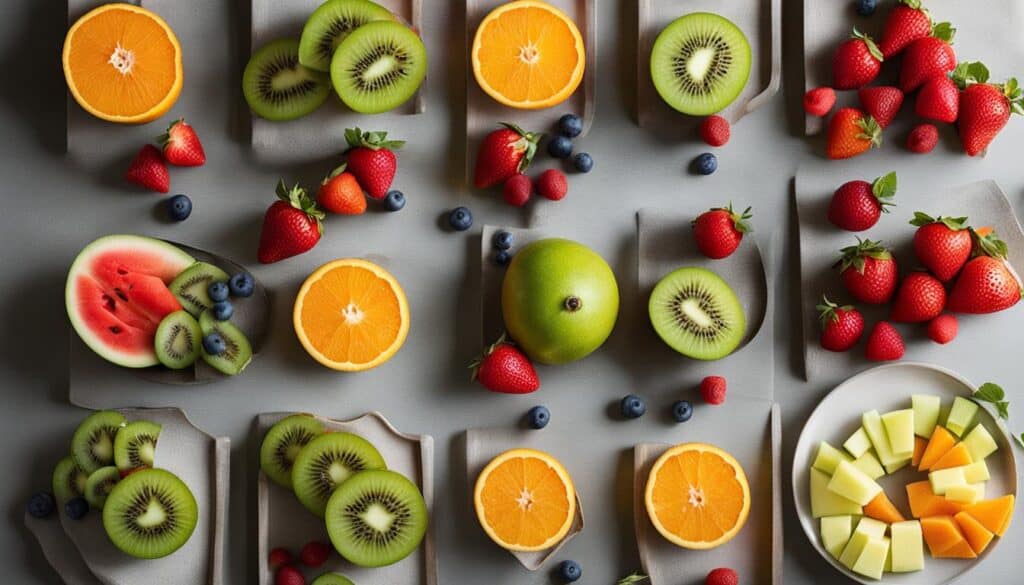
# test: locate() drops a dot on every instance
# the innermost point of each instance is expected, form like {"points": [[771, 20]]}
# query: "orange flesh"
{"points": [[977, 535], [881, 508], [525, 502], [919, 446], [993, 514], [944, 538], [941, 441], [955, 457], [697, 496], [924, 503]]}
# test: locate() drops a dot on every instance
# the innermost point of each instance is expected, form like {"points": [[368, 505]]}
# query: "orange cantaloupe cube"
{"points": [[920, 444], [923, 502], [960, 550], [993, 514], [977, 535], [941, 441], [955, 457], [881, 508], [944, 538]]}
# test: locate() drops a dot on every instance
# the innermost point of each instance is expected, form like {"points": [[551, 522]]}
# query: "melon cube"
{"points": [[980, 443], [858, 443], [826, 503], [907, 546], [835, 533], [875, 430], [961, 416], [977, 535], [894, 467], [926, 413], [899, 427], [945, 539], [828, 457], [853, 484], [944, 479], [871, 562], [941, 442], [924, 503], [994, 514], [971, 493], [867, 529], [958, 456], [869, 464], [976, 472]]}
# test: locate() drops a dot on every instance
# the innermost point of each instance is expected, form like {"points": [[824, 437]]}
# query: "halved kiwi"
{"points": [[68, 480], [332, 579], [697, 314], [376, 518], [330, 24], [282, 443], [92, 445], [378, 67], [99, 485], [326, 462], [700, 63], [178, 340], [135, 445], [150, 514], [238, 353], [190, 287], [278, 88]]}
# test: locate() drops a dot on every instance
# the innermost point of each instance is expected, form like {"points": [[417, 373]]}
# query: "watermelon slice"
{"points": [[116, 295]]}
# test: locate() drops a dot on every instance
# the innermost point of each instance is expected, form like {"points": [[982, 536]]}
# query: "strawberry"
{"points": [[504, 368], [856, 62], [340, 193], [278, 558], [517, 190], [923, 138], [720, 230], [907, 22], [857, 205], [943, 329], [371, 158], [503, 153], [713, 389], [841, 327], [291, 225], [182, 146], [289, 575], [852, 132], [149, 170], [552, 184], [315, 554], [987, 283], [939, 100], [921, 297], [942, 244], [715, 131], [884, 343], [928, 57], [722, 576], [881, 102], [819, 101], [868, 272], [985, 108]]}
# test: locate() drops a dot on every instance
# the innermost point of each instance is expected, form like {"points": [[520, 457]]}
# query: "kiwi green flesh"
{"points": [[700, 63], [378, 67], [332, 579], [92, 445], [330, 24], [327, 462], [68, 480], [376, 518], [135, 445], [190, 287], [150, 514], [178, 340], [278, 88], [697, 314], [238, 353], [282, 443], [100, 484]]}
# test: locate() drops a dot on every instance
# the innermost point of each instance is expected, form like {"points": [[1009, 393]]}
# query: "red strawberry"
{"points": [[371, 158], [942, 244], [504, 368], [819, 101], [852, 132], [340, 193], [291, 225], [181, 145], [856, 62], [149, 170], [712, 389], [923, 138], [722, 576], [943, 329], [907, 22], [921, 297], [503, 153], [552, 184], [278, 558], [868, 272], [289, 575], [857, 205], [715, 131], [315, 554], [841, 327], [720, 230], [881, 102], [928, 57], [939, 100], [517, 190], [984, 108], [884, 343], [987, 283]]}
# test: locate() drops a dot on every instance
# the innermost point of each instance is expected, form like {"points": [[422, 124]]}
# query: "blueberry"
{"points": [[242, 284], [706, 163], [502, 257], [866, 7], [633, 406], [218, 291], [179, 207], [76, 508], [538, 417], [461, 219], [213, 344], [569, 571], [682, 410], [503, 240], [41, 505], [560, 147], [394, 201], [570, 125], [222, 310], [583, 162]]}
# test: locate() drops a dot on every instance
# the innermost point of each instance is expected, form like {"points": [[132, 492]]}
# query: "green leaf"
{"points": [[1020, 439], [978, 72], [944, 31], [634, 578], [990, 392], [1003, 408], [884, 187]]}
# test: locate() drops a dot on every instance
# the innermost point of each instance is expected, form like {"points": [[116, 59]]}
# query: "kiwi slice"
{"points": [[282, 443], [330, 24], [135, 445], [68, 480], [376, 518], [190, 287], [278, 87], [326, 462], [178, 340], [238, 353], [332, 579], [697, 314], [700, 63], [378, 67], [99, 485], [150, 514], [92, 446]]}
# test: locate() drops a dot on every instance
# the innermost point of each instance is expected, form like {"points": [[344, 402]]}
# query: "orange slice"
{"points": [[528, 55], [123, 64], [351, 315], [525, 500], [697, 496]]}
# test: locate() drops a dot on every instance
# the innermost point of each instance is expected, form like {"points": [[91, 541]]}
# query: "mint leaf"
{"points": [[1003, 408], [634, 578], [990, 392], [1020, 439]]}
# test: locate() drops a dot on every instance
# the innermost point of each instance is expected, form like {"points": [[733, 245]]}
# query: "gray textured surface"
{"points": [[53, 204]]}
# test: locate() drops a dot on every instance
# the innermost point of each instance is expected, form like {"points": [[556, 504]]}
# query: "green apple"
{"points": [[926, 413], [871, 561], [828, 457], [825, 503], [835, 533], [858, 443], [980, 443], [853, 484], [944, 479], [559, 300], [961, 416], [899, 427], [869, 464], [907, 546]]}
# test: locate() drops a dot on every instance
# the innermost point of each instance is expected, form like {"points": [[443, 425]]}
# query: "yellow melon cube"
{"points": [[980, 443], [944, 479], [825, 503], [867, 529], [907, 546], [871, 562], [828, 457], [869, 464], [971, 493], [835, 533], [858, 443], [926, 413], [899, 427], [853, 484]]}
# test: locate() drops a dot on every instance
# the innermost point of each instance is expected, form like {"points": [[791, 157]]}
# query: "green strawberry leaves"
{"points": [[298, 198], [884, 189], [872, 47], [740, 219], [994, 395], [827, 310], [633, 579], [854, 256], [1015, 95], [970, 72], [954, 223], [870, 130], [356, 138], [987, 243], [944, 31], [527, 144]]}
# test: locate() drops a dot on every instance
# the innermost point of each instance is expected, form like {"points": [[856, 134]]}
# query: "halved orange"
{"points": [[351, 315], [525, 500], [528, 54], [123, 64], [697, 496]]}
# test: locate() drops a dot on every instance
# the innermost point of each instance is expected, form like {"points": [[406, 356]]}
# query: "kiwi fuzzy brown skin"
{"points": [[278, 88], [328, 26], [190, 287], [68, 480], [379, 67], [327, 462], [178, 340], [150, 514], [99, 485], [696, 313], [92, 445], [282, 443], [135, 445]]}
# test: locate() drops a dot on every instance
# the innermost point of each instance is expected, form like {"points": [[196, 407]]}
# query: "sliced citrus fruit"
{"points": [[697, 496], [351, 315], [525, 500], [528, 54], [123, 64]]}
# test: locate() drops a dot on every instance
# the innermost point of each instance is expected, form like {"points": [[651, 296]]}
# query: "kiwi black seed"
{"points": [[330, 24], [92, 445], [279, 88], [697, 313], [99, 485], [135, 445], [238, 353], [326, 462], [68, 480], [378, 67], [150, 514], [178, 340], [282, 443], [191, 286]]}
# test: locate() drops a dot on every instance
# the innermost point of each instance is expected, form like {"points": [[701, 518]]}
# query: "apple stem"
{"points": [[573, 304]]}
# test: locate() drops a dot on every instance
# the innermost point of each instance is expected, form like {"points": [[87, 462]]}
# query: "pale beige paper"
{"points": [[59, 551]]}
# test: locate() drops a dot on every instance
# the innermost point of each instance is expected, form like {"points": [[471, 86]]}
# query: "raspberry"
{"points": [[714, 130], [943, 329], [279, 557], [722, 576], [712, 389], [818, 101], [289, 575], [517, 190], [314, 554], [923, 138], [552, 184]]}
